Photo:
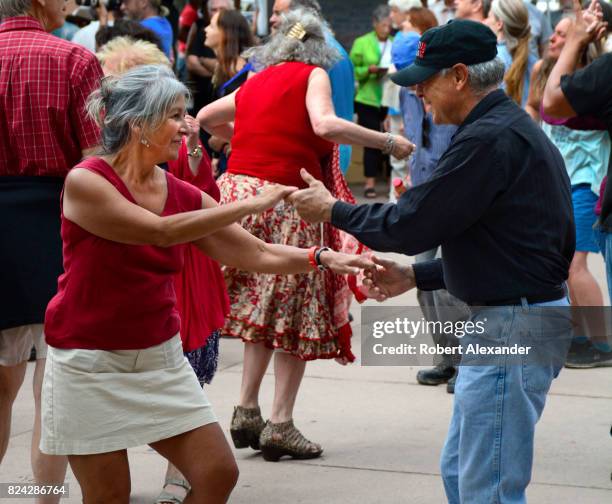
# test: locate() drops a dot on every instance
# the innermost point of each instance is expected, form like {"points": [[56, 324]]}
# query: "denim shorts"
{"points": [[584, 201]]}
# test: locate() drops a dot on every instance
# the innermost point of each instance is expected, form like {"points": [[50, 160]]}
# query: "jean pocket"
{"points": [[543, 360], [538, 378]]}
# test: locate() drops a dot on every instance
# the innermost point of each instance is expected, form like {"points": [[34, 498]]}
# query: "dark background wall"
{"points": [[349, 18]]}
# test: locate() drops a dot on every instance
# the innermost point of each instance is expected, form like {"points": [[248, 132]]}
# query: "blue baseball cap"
{"points": [[404, 49]]}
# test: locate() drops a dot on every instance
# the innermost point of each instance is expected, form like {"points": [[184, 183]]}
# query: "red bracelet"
{"points": [[311, 257]]}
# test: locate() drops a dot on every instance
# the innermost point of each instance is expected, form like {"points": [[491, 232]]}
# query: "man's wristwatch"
{"points": [[317, 257], [196, 152]]}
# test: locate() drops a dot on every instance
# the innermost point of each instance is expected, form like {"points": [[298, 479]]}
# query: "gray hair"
{"points": [[405, 5], [11, 8], [142, 97], [229, 4], [483, 77], [381, 12], [280, 48], [313, 5]]}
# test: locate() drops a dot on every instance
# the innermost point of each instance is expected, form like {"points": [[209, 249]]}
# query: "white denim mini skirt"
{"points": [[97, 401]]}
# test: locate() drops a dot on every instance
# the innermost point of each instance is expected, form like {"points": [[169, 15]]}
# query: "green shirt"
{"points": [[366, 52]]}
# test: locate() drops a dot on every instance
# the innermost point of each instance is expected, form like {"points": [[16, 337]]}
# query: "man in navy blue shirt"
{"points": [[499, 204]]}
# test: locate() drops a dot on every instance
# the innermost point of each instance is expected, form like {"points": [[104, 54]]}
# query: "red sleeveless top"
{"points": [[273, 137], [114, 296]]}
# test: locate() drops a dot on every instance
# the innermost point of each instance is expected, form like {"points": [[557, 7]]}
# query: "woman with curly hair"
{"points": [[281, 120]]}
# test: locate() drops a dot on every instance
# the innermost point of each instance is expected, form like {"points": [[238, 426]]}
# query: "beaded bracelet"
{"points": [[389, 144]]}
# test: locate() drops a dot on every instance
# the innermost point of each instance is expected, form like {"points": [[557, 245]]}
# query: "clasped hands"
{"points": [[382, 278]]}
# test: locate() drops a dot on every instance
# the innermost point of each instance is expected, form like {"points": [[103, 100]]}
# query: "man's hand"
{"points": [[388, 280], [315, 203], [588, 26]]}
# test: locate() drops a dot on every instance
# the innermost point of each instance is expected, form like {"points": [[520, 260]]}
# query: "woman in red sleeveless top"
{"points": [[283, 120], [116, 376], [201, 297]]}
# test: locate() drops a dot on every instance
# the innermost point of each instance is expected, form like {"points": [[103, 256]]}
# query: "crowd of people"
{"points": [[170, 178]]}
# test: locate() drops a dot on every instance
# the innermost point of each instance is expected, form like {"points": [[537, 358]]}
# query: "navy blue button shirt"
{"points": [[499, 203]]}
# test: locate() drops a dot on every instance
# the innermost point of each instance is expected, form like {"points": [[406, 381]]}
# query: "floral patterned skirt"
{"points": [[290, 312]]}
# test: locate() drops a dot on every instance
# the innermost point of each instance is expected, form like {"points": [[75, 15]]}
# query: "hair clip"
{"points": [[297, 31]]}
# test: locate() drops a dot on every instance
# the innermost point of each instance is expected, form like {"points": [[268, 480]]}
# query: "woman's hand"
{"points": [[269, 197], [343, 264], [589, 25], [193, 135], [402, 148]]}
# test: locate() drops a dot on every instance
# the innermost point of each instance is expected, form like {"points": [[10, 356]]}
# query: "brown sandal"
{"points": [[278, 439], [246, 426]]}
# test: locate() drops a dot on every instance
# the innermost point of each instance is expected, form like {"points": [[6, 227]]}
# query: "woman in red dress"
{"points": [[279, 121]]}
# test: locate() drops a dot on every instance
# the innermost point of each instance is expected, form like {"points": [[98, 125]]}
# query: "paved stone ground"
{"points": [[382, 435]]}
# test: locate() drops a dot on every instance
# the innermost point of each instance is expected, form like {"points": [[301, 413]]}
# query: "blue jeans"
{"points": [[488, 454], [604, 239]]}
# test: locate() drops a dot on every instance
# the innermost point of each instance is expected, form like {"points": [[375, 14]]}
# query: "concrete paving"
{"points": [[382, 434]]}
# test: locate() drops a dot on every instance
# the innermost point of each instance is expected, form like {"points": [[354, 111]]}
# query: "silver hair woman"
{"points": [[140, 99], [118, 374], [309, 48], [279, 121]]}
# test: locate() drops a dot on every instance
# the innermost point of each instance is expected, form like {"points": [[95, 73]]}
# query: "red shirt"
{"points": [[44, 83], [188, 16], [273, 137], [201, 294], [114, 296]]}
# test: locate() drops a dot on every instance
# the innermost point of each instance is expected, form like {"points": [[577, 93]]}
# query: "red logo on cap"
{"points": [[421, 50]]}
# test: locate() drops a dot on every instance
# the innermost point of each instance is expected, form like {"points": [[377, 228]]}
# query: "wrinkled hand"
{"points": [[388, 280], [269, 197], [345, 264], [589, 25], [193, 132], [315, 203], [402, 147]]}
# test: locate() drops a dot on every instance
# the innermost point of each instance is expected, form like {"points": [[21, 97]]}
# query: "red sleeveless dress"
{"points": [[305, 315], [201, 294]]}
